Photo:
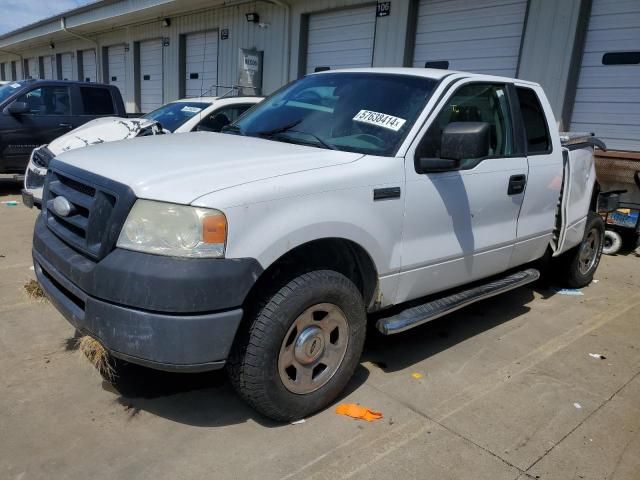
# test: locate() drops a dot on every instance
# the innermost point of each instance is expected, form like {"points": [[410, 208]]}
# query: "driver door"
{"points": [[49, 116], [460, 224]]}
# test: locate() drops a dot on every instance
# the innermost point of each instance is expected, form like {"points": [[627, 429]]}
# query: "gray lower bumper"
{"points": [[163, 341]]}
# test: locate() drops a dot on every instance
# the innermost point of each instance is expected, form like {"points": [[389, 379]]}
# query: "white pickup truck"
{"points": [[344, 193]]}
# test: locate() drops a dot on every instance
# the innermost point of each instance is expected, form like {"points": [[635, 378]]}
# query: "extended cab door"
{"points": [[460, 222], [48, 117], [544, 156]]}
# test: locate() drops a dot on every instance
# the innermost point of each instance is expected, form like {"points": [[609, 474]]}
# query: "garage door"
{"points": [[66, 66], [201, 58], [151, 73], [117, 64], [88, 65], [32, 68], [49, 65], [608, 92], [481, 36], [341, 39], [5, 71]]}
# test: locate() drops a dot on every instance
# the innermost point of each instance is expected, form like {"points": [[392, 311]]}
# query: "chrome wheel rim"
{"points": [[589, 250], [313, 349]]}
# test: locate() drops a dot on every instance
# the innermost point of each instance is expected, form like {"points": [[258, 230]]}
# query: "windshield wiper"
{"points": [[231, 129], [317, 138], [285, 129]]}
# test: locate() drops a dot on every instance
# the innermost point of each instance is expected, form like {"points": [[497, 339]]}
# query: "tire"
{"points": [[612, 242], [277, 364], [578, 267]]}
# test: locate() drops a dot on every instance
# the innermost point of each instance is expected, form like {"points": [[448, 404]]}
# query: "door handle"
{"points": [[66, 125], [516, 184]]}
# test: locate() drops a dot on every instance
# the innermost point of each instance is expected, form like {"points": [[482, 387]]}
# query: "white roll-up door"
{"points": [[66, 66], [341, 38], [33, 71], [607, 98], [151, 73], [117, 63], [88, 65], [201, 58], [482, 36], [49, 64]]}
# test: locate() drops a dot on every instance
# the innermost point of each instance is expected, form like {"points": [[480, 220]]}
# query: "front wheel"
{"points": [[581, 262], [299, 352]]}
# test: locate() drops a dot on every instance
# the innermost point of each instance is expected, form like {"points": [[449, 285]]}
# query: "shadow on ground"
{"points": [[402, 350], [198, 399], [208, 400]]}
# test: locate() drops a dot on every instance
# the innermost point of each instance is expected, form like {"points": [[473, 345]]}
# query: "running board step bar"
{"points": [[420, 314]]}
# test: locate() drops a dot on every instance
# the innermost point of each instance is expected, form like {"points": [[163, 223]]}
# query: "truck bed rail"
{"points": [[574, 140]]}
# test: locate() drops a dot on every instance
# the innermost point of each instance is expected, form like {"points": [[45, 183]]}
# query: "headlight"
{"points": [[174, 230]]}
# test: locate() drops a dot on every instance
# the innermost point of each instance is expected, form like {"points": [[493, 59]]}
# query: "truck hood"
{"points": [[182, 168], [100, 130]]}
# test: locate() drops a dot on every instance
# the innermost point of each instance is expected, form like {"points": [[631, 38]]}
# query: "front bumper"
{"points": [[162, 312]]}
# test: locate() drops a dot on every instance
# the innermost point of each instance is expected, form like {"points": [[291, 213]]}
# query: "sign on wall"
{"points": [[250, 71], [383, 9]]}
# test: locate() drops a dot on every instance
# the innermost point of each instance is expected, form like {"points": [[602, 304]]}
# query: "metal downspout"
{"points": [[287, 41], [63, 25]]}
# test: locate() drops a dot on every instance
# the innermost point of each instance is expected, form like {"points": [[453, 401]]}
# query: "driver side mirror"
{"points": [[18, 108], [459, 141]]}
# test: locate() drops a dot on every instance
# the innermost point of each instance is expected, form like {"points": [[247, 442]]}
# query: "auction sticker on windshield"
{"points": [[191, 109], [379, 120]]}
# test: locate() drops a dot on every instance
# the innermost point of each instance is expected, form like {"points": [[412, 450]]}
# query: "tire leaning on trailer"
{"points": [[612, 242]]}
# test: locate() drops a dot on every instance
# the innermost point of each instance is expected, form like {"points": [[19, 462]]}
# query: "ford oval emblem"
{"points": [[62, 206]]}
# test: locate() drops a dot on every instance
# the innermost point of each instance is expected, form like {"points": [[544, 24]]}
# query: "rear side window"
{"points": [[96, 101], [535, 122]]}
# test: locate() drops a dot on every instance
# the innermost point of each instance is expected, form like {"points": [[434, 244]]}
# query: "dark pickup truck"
{"points": [[34, 112]]}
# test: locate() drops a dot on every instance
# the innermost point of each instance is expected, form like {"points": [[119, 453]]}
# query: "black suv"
{"points": [[34, 112]]}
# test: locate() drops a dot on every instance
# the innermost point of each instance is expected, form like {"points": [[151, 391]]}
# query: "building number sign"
{"points": [[383, 9]]}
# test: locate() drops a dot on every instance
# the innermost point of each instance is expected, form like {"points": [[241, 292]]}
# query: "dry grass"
{"points": [[97, 356], [34, 290]]}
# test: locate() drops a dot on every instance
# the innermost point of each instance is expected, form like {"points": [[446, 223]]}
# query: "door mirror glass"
{"points": [[465, 141], [18, 108]]}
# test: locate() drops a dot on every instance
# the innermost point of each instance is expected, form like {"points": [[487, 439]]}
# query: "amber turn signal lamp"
{"points": [[214, 229]]}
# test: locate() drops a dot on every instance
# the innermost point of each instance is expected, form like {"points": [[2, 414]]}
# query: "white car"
{"points": [[405, 192], [190, 114]]}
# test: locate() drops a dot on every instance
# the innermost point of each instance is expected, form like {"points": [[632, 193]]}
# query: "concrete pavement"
{"points": [[508, 391]]}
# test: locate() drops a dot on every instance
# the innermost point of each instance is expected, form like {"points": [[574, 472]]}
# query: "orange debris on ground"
{"points": [[356, 411]]}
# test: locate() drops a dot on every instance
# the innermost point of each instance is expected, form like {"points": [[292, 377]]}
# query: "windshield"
{"points": [[9, 89], [368, 113], [172, 115]]}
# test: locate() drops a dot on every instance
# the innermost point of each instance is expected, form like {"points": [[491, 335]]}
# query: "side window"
{"points": [[535, 122], [47, 101], [218, 119], [96, 101], [475, 102]]}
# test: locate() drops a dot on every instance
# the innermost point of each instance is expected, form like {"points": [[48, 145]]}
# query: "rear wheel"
{"points": [[302, 347], [580, 263], [612, 242]]}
